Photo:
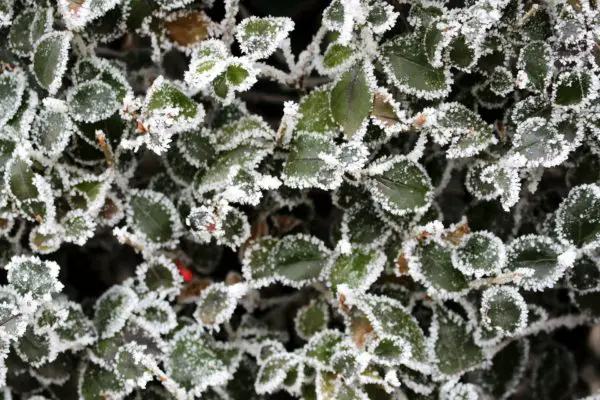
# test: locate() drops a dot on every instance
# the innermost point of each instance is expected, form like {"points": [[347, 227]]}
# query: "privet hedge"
{"points": [[406, 205]]}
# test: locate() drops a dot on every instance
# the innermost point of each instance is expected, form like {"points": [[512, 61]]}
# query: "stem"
{"points": [[528, 15], [106, 149], [232, 8]]}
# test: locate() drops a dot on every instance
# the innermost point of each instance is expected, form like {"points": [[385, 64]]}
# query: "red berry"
{"points": [[184, 271]]}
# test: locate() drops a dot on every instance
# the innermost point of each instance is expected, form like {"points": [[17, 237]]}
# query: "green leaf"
{"points": [[216, 304], [357, 270], [96, 383], [273, 372], [316, 114], [454, 346], [585, 275], [539, 255], [311, 318], [50, 58], [503, 309], [538, 142], [34, 277], [19, 39], [572, 88], [170, 107], [337, 57], [92, 101], [35, 349], [154, 217], [461, 54], [405, 61], [578, 217], [260, 37], [295, 260], [506, 369], [430, 263], [194, 361], [112, 310], [12, 88], [400, 186], [51, 131], [391, 319], [479, 254], [159, 274], [19, 178], [536, 65], [351, 99]]}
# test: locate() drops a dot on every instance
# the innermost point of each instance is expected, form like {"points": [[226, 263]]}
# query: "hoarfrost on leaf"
{"points": [[260, 37]]}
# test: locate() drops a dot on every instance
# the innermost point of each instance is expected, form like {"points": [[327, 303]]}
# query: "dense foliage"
{"points": [[206, 199]]}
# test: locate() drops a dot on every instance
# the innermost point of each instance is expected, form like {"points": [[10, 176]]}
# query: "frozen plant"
{"points": [[317, 199]]}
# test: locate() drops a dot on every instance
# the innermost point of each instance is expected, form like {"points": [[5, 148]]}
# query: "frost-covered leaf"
{"points": [[381, 17], [400, 186], [430, 262], [311, 318], [538, 260], [112, 310], [295, 260], [50, 58], [536, 65], [574, 88], [12, 88], [307, 164], [578, 217], [30, 276], [463, 129], [77, 227], [356, 270], [506, 370], [195, 362], [208, 61], [273, 372], [92, 101], [537, 142], [338, 57], [156, 315], [128, 366], [501, 81], [390, 319], [504, 309], [479, 254], [52, 130], [351, 99], [35, 349], [96, 382], [405, 61], [77, 330], [14, 323], [260, 37], [217, 303], [153, 217], [316, 114], [553, 372], [585, 274], [454, 346]]}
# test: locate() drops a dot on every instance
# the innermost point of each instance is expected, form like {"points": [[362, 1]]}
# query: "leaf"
{"points": [[194, 362], [19, 178], [51, 131], [92, 101], [390, 319], [405, 62], [501, 81], [153, 216], [337, 57], [78, 227], [196, 147], [479, 254], [260, 37], [542, 256], [430, 262], [50, 58], [19, 39], [305, 167], [112, 310], [504, 309], [96, 382], [16, 323], [273, 373], [573, 88], [295, 260], [316, 114], [400, 186], [217, 303], [507, 368], [536, 66], [35, 349], [351, 99], [30, 276], [156, 315], [12, 88], [454, 346], [311, 319], [207, 62], [537, 142], [461, 53], [585, 275], [357, 270], [578, 217], [460, 127], [187, 28]]}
